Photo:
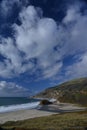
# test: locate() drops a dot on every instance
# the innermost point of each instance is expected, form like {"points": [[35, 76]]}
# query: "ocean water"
{"points": [[8, 104]]}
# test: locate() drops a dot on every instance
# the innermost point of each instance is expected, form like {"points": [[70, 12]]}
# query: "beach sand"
{"points": [[22, 115], [39, 111]]}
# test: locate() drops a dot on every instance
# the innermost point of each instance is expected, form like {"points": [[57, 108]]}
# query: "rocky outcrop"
{"points": [[45, 102]]}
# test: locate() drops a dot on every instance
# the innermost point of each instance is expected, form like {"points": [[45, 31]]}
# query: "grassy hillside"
{"points": [[74, 91], [67, 121]]}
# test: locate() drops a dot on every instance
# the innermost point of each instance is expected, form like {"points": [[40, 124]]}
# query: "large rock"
{"points": [[45, 102]]}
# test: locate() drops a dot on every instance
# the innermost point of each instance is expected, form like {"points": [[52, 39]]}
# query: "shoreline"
{"points": [[39, 111], [22, 115], [23, 106]]}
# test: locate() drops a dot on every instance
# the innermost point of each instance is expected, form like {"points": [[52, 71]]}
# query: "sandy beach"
{"points": [[38, 112]]}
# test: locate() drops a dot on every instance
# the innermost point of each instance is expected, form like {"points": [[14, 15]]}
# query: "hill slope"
{"points": [[74, 91]]}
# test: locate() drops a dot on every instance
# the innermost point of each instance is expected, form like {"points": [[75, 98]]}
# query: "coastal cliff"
{"points": [[74, 91]]}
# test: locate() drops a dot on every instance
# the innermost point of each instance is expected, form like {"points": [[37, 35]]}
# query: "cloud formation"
{"points": [[9, 89], [35, 38], [40, 44], [6, 6], [79, 68]]}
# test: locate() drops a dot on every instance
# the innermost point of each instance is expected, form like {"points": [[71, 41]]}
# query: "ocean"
{"points": [[8, 104]]}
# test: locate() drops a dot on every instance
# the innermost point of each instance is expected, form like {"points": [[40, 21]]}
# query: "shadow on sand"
{"points": [[59, 108]]}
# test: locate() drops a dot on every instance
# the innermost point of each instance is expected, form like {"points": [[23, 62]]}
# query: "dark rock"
{"points": [[45, 102], [1, 128]]}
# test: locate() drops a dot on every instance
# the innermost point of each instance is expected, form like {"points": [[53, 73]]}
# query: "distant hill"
{"points": [[74, 91]]}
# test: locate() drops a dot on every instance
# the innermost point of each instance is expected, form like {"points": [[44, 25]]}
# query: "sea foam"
{"points": [[10, 108]]}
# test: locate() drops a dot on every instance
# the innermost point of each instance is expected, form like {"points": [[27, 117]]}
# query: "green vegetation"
{"points": [[74, 91], [67, 121], [77, 98]]}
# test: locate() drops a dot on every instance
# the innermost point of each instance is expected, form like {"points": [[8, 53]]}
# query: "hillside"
{"points": [[74, 91]]}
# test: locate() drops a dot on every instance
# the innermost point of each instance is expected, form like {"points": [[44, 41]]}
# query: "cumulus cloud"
{"points": [[11, 89], [41, 44], [35, 38], [36, 34], [77, 29], [73, 12]]}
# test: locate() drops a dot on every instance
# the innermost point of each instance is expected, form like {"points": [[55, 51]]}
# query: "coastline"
{"points": [[22, 115], [40, 111]]}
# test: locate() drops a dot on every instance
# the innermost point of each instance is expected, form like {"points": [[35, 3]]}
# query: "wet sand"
{"points": [[40, 111]]}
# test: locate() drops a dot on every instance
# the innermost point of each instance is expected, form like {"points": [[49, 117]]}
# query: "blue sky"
{"points": [[42, 43]]}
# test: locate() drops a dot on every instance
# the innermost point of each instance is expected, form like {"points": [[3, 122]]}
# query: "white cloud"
{"points": [[11, 89], [37, 37], [41, 39], [72, 14], [12, 58], [13, 63], [8, 50], [50, 72], [79, 68], [5, 69], [77, 29]]}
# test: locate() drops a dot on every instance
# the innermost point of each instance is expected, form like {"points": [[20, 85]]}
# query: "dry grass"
{"points": [[67, 121]]}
